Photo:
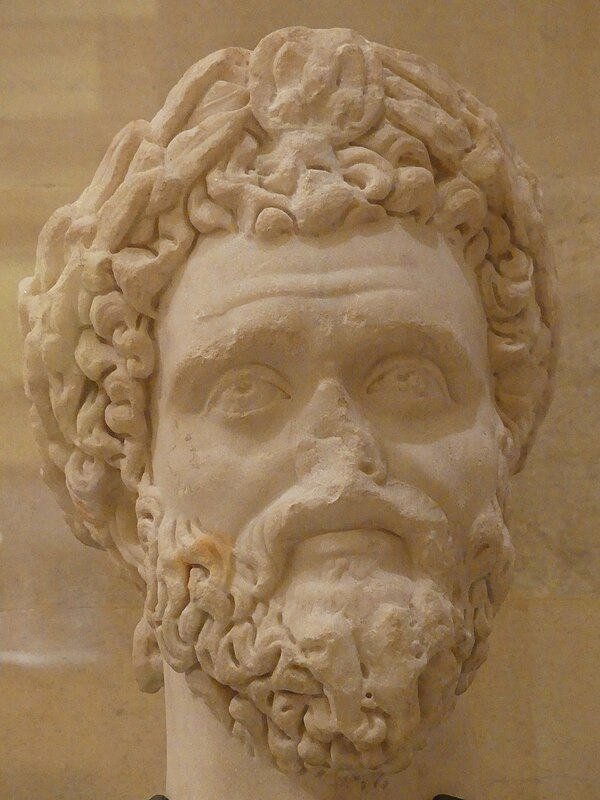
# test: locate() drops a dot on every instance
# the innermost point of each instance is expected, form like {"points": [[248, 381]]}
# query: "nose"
{"points": [[334, 436]]}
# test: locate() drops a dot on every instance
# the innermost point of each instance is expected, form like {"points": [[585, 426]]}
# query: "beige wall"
{"points": [[73, 724]]}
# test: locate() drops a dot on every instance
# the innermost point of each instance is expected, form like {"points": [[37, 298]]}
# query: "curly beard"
{"points": [[327, 649]]}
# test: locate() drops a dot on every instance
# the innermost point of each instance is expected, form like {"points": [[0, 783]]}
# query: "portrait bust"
{"points": [[284, 354]]}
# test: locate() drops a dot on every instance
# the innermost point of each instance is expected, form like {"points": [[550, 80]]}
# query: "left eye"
{"points": [[245, 392], [408, 385]]}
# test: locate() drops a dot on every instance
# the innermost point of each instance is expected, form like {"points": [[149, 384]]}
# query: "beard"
{"points": [[336, 633]]}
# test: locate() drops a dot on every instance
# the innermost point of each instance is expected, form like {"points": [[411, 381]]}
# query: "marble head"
{"points": [[284, 354]]}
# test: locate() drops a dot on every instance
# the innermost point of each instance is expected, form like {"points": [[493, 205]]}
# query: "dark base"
{"points": [[446, 797], [437, 797]]}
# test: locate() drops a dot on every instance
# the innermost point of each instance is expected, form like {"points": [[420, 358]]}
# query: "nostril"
{"points": [[368, 468], [372, 467]]}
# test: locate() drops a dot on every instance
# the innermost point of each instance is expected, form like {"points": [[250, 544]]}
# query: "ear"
{"points": [[147, 660], [506, 452], [127, 549]]}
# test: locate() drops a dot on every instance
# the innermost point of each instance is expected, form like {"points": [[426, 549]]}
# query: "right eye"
{"points": [[246, 392]]}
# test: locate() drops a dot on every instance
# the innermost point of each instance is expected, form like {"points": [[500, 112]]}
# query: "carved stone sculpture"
{"points": [[284, 354]]}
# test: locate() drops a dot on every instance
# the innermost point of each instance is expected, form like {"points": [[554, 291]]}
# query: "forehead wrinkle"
{"points": [[311, 284], [310, 293]]}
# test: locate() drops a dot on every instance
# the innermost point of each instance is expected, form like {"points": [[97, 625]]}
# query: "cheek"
{"points": [[218, 475], [459, 471]]}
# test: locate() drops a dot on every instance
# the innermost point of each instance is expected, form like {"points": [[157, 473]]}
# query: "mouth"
{"points": [[381, 526]]}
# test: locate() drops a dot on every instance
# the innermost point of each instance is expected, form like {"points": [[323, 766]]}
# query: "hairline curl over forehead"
{"points": [[310, 132]]}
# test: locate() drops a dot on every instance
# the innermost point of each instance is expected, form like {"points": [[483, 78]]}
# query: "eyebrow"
{"points": [[430, 340], [221, 346]]}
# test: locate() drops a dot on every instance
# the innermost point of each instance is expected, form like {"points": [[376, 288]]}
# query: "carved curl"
{"points": [[312, 131]]}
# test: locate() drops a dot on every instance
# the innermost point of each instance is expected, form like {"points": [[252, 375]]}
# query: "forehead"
{"points": [[391, 274]]}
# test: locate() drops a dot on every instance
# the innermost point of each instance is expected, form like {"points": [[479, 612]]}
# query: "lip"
{"points": [[378, 545]]}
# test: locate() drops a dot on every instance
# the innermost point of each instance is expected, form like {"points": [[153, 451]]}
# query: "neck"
{"points": [[204, 762]]}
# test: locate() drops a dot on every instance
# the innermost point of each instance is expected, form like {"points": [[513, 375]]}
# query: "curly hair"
{"points": [[311, 131]]}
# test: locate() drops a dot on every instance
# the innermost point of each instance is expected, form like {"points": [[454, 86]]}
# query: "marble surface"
{"points": [[74, 724]]}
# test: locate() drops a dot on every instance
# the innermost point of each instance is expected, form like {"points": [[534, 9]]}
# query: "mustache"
{"points": [[310, 509]]}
